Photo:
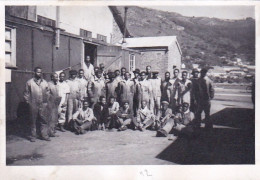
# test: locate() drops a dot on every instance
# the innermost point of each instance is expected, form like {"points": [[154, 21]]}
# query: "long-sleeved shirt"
{"points": [[88, 71], [206, 89], [184, 89], [144, 114], [84, 115], [184, 117], [126, 89], [156, 87], [125, 113], [96, 88], [173, 87], [112, 89], [54, 93], [83, 85], [145, 89], [64, 89], [36, 92], [74, 88], [164, 114], [165, 91], [113, 108]]}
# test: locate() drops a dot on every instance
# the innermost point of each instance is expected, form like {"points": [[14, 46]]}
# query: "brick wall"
{"points": [[156, 58], [174, 57]]}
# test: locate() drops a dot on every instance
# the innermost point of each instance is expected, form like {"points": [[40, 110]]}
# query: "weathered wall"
{"points": [[156, 58], [174, 57], [98, 20], [34, 47], [117, 36]]}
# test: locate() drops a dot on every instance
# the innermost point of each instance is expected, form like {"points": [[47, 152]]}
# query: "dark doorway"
{"points": [[91, 50]]}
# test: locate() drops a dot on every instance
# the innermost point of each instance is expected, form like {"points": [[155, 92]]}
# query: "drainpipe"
{"points": [[125, 26], [57, 30]]}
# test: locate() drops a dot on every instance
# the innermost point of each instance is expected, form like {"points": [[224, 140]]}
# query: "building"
{"points": [[162, 52], [58, 38]]}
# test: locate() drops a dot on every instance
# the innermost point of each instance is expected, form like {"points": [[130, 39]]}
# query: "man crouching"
{"points": [[83, 119]]}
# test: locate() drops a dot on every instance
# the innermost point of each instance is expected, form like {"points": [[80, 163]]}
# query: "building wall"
{"points": [[98, 20], [116, 34], [174, 57], [156, 58], [34, 47]]}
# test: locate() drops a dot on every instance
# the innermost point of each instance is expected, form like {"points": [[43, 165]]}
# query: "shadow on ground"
{"points": [[232, 141]]}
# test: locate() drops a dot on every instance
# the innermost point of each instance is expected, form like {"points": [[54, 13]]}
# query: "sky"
{"points": [[222, 12]]}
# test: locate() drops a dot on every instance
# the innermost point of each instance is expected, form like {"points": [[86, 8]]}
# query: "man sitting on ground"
{"points": [[145, 118], [164, 115], [83, 119], [125, 116], [113, 108], [101, 113]]}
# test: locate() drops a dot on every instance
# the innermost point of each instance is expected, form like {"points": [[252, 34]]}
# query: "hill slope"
{"points": [[203, 40]]}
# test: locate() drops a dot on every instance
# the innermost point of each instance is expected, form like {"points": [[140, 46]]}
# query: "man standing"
{"points": [[136, 97], [173, 87], [165, 87], [194, 91], [64, 91], [156, 92], [111, 86], [206, 93], [145, 118], [88, 69], [83, 118], [74, 96], [148, 72], [96, 88], [36, 95], [145, 90], [53, 104], [126, 90], [184, 89], [83, 84], [123, 71]]}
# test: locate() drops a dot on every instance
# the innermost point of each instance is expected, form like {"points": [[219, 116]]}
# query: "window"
{"points": [[85, 33], [10, 47], [101, 38], [131, 62]]}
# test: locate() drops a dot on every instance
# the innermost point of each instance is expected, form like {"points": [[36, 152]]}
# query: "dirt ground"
{"points": [[230, 142]]}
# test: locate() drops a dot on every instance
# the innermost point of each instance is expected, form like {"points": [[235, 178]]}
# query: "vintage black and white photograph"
{"points": [[130, 85]]}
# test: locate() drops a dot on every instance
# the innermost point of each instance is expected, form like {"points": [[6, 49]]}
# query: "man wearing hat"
{"points": [[205, 94], [194, 90], [163, 116], [156, 92], [125, 116], [145, 118]]}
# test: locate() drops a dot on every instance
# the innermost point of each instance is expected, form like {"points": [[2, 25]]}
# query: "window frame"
{"points": [[12, 52], [133, 62]]}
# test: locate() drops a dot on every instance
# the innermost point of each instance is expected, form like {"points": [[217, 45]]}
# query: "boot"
{"points": [[62, 128]]}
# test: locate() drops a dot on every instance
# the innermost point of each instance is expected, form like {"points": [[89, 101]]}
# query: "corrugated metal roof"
{"points": [[159, 41]]}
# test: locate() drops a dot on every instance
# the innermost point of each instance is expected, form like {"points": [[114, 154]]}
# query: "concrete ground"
{"points": [[231, 142]]}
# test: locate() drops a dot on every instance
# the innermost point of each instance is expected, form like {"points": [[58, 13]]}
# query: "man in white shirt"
{"points": [[83, 84], [64, 91], [83, 118], [145, 90], [88, 69]]}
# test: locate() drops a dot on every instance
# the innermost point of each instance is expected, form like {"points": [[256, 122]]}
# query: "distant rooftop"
{"points": [[159, 41]]}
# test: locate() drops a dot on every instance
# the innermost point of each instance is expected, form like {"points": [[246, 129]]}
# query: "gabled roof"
{"points": [[148, 42]]}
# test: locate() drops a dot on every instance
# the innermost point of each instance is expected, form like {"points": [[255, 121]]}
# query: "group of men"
{"points": [[93, 99]]}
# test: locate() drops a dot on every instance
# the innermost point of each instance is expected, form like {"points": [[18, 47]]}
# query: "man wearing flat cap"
{"points": [[205, 94]]}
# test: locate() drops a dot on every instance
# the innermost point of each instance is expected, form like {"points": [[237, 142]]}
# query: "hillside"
{"points": [[203, 40]]}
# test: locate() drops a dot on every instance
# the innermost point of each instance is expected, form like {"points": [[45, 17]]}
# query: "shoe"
{"points": [[62, 128], [161, 133], [32, 139], [46, 139], [140, 128]]}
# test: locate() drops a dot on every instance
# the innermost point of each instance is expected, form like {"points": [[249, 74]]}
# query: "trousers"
{"points": [[203, 106]]}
